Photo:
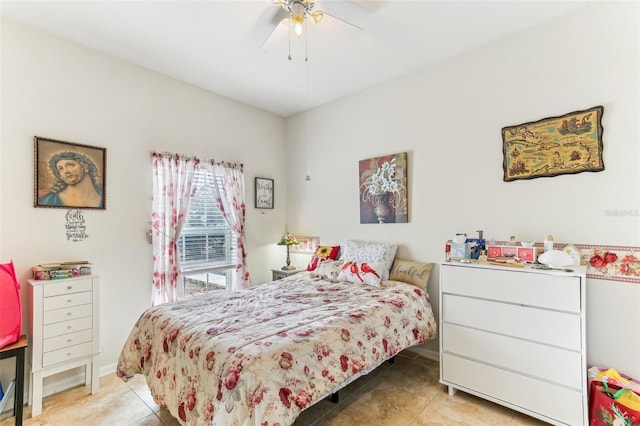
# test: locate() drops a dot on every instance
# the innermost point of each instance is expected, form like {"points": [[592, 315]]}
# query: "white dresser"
{"points": [[516, 337], [64, 331]]}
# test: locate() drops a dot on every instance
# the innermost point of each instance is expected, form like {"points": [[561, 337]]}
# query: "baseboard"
{"points": [[105, 370], [426, 353], [62, 383]]}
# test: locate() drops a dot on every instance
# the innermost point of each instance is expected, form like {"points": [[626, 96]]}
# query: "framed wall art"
{"points": [[69, 175], [308, 244], [264, 193], [569, 144], [383, 189]]}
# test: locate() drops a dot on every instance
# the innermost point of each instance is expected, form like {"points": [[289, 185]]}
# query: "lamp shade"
{"points": [[288, 240]]}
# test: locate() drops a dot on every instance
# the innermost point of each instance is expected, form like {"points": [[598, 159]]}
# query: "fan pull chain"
{"points": [[306, 40], [289, 38]]}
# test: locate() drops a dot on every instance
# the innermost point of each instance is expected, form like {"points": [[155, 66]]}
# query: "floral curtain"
{"points": [[172, 183], [228, 187]]}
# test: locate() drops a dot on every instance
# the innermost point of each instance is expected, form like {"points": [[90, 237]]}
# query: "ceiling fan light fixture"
{"points": [[297, 17]]}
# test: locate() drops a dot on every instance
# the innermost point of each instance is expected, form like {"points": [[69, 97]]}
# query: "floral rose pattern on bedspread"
{"points": [[261, 356]]}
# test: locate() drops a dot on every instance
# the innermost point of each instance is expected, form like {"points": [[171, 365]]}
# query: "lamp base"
{"points": [[288, 268]]}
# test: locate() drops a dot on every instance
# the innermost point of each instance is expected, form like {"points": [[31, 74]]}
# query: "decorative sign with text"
{"points": [[264, 193], [76, 228]]}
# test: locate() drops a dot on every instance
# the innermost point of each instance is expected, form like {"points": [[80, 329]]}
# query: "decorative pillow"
{"points": [[361, 251], [415, 273], [362, 272], [328, 270], [391, 283], [322, 254]]}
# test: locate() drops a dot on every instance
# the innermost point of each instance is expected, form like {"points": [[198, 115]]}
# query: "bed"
{"points": [[261, 356]]}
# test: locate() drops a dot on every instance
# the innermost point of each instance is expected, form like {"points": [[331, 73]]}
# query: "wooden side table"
{"points": [[17, 350]]}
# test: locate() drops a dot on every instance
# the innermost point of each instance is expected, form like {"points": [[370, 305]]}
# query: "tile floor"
{"points": [[406, 393]]}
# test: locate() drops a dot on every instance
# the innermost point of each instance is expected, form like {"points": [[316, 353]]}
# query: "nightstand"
{"points": [[279, 274]]}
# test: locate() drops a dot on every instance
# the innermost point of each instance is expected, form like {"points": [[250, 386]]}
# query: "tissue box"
{"points": [[459, 251]]}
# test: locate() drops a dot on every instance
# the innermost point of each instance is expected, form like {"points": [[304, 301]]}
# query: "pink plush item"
{"points": [[322, 254], [10, 307]]}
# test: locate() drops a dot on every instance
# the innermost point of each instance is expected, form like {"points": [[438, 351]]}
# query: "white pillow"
{"points": [[361, 251], [362, 272]]}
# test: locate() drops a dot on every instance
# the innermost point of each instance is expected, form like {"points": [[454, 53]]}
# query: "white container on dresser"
{"points": [[64, 331], [516, 336]]}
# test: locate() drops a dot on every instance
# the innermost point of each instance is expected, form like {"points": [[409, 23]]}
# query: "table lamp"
{"points": [[288, 240]]}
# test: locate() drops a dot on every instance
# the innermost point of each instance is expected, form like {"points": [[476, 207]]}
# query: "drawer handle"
{"points": [[68, 300], [69, 287], [69, 314], [68, 327], [69, 354], [69, 340]]}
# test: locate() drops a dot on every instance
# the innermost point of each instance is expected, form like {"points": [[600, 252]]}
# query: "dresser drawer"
{"points": [[66, 287], [66, 327], [66, 354], [555, 402], [538, 325], [66, 314], [558, 292], [549, 363], [66, 300], [64, 340]]}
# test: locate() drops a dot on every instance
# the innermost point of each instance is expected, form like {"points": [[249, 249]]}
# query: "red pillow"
{"points": [[322, 254]]}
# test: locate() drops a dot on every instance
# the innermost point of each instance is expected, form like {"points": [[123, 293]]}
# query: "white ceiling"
{"points": [[218, 45]]}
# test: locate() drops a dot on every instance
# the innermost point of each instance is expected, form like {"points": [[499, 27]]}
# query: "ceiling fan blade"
{"points": [[333, 23], [278, 35]]}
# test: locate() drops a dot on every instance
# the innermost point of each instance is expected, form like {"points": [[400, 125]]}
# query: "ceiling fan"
{"points": [[294, 15]]}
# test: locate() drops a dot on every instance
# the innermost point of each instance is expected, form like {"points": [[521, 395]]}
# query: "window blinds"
{"points": [[206, 242]]}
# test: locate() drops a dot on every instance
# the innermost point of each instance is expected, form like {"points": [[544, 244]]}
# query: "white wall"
{"points": [[56, 89], [449, 118]]}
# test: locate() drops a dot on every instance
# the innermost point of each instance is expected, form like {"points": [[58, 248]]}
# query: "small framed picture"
{"points": [[264, 193], [69, 175]]}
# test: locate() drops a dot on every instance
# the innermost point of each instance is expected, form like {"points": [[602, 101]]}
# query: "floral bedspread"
{"points": [[261, 356]]}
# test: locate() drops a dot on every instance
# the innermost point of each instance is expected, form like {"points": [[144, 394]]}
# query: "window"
{"points": [[207, 246]]}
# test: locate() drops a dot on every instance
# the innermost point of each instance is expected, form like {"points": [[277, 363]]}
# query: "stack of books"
{"points": [[56, 271]]}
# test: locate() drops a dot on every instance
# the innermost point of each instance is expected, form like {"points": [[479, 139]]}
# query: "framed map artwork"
{"points": [[569, 144]]}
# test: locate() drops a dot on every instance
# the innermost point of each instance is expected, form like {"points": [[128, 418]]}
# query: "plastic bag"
{"points": [[614, 377], [606, 407]]}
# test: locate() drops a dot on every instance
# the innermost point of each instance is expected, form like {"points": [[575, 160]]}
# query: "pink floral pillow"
{"points": [[329, 270], [362, 272], [322, 254]]}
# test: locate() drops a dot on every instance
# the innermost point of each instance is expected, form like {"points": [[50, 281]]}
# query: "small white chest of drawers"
{"points": [[516, 337], [64, 331]]}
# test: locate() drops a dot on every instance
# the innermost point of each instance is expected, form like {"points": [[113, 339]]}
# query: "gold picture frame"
{"points": [[69, 175], [568, 144]]}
